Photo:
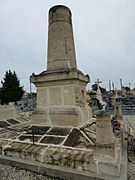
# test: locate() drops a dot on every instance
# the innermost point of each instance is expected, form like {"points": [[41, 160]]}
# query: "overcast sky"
{"points": [[104, 33]]}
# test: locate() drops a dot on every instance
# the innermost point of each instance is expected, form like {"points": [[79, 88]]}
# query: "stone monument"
{"points": [[104, 133], [102, 104], [117, 111], [61, 89]]}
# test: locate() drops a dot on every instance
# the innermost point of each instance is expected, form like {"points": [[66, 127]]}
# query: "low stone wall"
{"points": [[74, 159]]}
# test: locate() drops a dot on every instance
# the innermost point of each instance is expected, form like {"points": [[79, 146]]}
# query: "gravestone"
{"points": [[117, 111], [101, 103], [104, 133], [61, 89]]}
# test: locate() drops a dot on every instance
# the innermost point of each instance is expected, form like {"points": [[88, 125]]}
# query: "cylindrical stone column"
{"points": [[61, 49], [104, 133]]}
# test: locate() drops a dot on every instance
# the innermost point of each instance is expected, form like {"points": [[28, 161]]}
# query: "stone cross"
{"points": [[98, 82]]}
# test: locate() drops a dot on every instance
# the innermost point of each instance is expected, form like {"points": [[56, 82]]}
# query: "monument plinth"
{"points": [[61, 89]]}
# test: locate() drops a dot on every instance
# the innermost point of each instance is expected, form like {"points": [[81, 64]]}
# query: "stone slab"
{"points": [[54, 171]]}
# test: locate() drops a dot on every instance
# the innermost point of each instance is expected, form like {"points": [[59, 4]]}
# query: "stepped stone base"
{"points": [[64, 160], [61, 98], [61, 116], [64, 152]]}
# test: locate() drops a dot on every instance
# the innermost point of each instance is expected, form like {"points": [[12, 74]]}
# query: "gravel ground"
{"points": [[131, 171], [131, 168], [12, 173]]}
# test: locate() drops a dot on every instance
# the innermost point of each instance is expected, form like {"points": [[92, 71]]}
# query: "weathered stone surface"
{"points": [[117, 111], [80, 157], [61, 50], [61, 89], [104, 133], [40, 117]]}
